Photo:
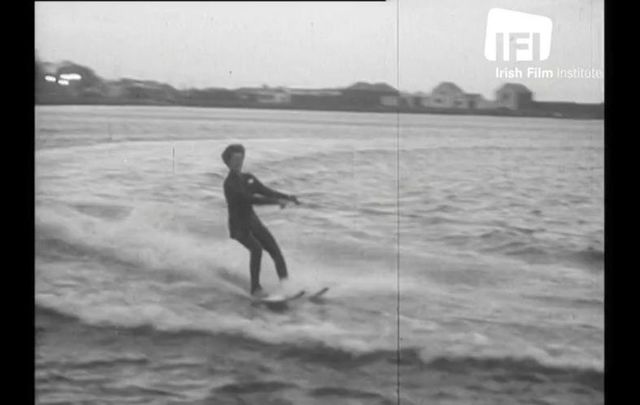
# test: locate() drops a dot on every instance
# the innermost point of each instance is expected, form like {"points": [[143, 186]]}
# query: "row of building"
{"points": [[79, 84], [510, 99], [446, 95]]}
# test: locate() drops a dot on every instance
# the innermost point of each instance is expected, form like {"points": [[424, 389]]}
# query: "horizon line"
{"points": [[294, 87]]}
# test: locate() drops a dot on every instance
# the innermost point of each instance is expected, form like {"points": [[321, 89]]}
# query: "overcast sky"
{"points": [[318, 44]]}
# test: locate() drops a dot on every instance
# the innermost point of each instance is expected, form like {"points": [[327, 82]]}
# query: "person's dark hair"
{"points": [[230, 150]]}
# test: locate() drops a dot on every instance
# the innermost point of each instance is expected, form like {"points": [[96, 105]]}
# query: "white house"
{"points": [[514, 96], [446, 95], [266, 95]]}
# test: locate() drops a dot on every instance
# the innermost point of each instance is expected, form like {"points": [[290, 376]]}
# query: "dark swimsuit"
{"points": [[242, 191]]}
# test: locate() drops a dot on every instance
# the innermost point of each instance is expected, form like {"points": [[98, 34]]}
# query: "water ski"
{"points": [[276, 301], [317, 296]]}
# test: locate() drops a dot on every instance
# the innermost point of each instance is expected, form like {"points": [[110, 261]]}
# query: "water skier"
{"points": [[242, 191]]}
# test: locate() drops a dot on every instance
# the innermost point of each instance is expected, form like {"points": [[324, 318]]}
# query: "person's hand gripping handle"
{"points": [[284, 201]]}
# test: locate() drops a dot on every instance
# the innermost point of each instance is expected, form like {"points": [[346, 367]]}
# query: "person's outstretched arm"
{"points": [[267, 192], [262, 200], [237, 194]]}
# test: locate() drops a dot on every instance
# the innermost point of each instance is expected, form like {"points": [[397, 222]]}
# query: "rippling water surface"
{"points": [[478, 239]]}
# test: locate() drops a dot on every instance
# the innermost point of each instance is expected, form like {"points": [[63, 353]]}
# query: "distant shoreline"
{"points": [[413, 111], [71, 84]]}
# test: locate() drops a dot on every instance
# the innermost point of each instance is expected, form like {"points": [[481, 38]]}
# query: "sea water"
{"points": [[464, 256]]}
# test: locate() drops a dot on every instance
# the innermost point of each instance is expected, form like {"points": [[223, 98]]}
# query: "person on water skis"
{"points": [[242, 191]]}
